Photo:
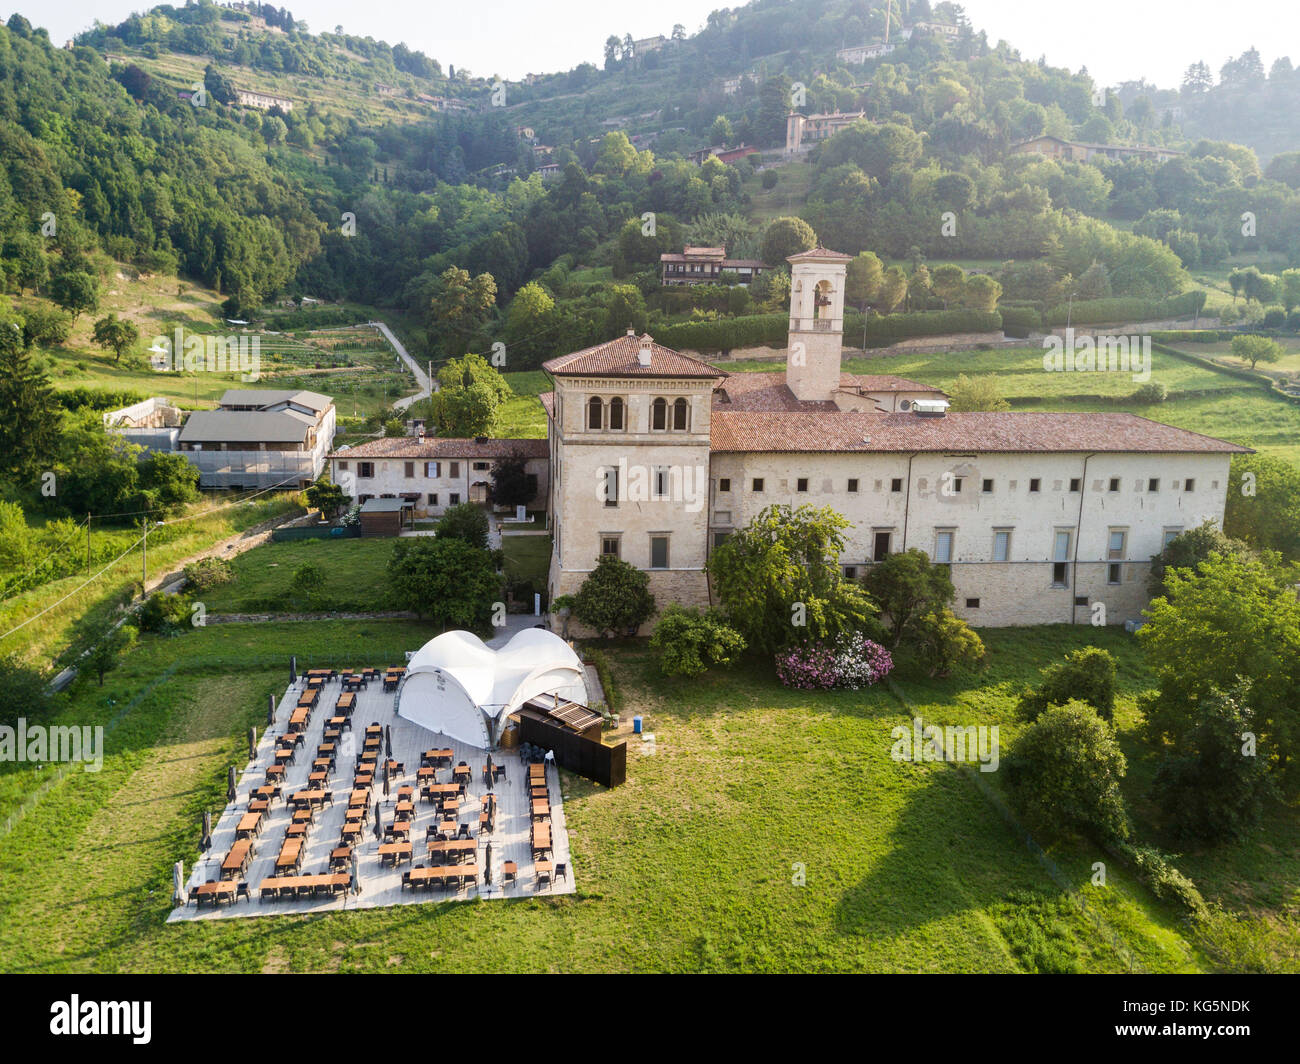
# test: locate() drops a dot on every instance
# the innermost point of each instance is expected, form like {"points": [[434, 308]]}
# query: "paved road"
{"points": [[421, 377]]}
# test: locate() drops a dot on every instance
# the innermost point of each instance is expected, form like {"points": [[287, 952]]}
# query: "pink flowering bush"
{"points": [[852, 661]]}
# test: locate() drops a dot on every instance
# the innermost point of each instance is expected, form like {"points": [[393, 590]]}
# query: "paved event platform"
{"points": [[381, 884]]}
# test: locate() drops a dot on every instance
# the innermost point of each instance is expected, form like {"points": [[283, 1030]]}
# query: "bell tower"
{"points": [[812, 361]]}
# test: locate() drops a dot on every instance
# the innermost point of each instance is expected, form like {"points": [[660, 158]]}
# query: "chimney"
{"points": [[643, 354]]}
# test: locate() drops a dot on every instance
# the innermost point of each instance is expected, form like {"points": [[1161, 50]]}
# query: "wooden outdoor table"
{"points": [[544, 868], [340, 855], [404, 806], [346, 702], [249, 824], [352, 831], [337, 722], [316, 779], [284, 757], [449, 827], [541, 807], [335, 883], [439, 755], [405, 793], [453, 846], [394, 851], [237, 859], [542, 840], [373, 743], [451, 807], [460, 873], [322, 763], [298, 830], [540, 792], [214, 892], [274, 772], [360, 796], [363, 779], [310, 798], [259, 805], [290, 854]]}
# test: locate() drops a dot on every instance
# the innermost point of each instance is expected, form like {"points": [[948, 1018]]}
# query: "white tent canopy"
{"points": [[458, 686]]}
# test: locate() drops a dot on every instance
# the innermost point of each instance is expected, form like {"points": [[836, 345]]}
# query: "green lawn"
{"points": [[354, 572], [688, 867], [527, 558]]}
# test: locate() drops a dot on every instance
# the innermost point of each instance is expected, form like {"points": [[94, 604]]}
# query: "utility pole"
{"points": [[144, 554], [87, 542]]}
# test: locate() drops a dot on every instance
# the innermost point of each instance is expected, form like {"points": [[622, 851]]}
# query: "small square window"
{"points": [[850, 572], [956, 484], [1189, 484], [1113, 573], [455, 498], [343, 467], [724, 484], [1035, 485], [987, 486], [853, 485], [1074, 483], [719, 538], [609, 546], [757, 484], [1081, 600], [801, 484], [365, 470], [433, 498], [455, 469], [1114, 484], [896, 485], [1153, 484], [972, 603]]}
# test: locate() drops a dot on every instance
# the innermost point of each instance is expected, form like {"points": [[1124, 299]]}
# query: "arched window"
{"points": [[616, 414], [659, 414], [594, 420], [679, 415]]}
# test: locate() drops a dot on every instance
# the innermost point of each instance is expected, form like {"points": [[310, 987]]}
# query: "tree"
{"points": [[720, 132], [1064, 774], [949, 283], [1252, 349], [893, 286], [467, 522], [1188, 549], [444, 579], [1231, 616], [512, 484], [530, 321], [307, 580], [981, 292], [469, 397], [977, 393], [29, 414], [1211, 789], [170, 479], [864, 278], [785, 237], [944, 641], [615, 598], [1290, 288], [106, 654], [780, 581], [329, 498], [906, 587], [689, 642], [460, 306], [1263, 505], [76, 291], [26, 688], [1087, 674]]}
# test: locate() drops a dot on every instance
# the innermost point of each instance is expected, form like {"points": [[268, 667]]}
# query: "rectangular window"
{"points": [[987, 486], [722, 517], [1116, 543], [943, 547], [719, 538], [880, 546], [455, 469], [408, 470], [431, 469], [611, 486], [658, 552], [956, 483], [1061, 547], [724, 484], [1001, 545], [1035, 485], [455, 498], [482, 465], [660, 489], [609, 546], [1081, 600], [1170, 535], [896, 485], [1189, 484], [757, 484], [850, 572], [433, 498], [972, 603], [801, 484], [1113, 573], [1059, 574], [1153, 484], [1075, 482], [1114, 484], [343, 467], [365, 470], [853, 485]]}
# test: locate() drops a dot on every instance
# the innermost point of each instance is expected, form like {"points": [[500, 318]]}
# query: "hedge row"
{"points": [[1191, 336], [1020, 321], [771, 330], [1122, 309]]}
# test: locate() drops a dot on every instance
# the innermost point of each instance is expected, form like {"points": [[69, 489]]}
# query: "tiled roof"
{"points": [[767, 390], [618, 358], [547, 399], [245, 426], [1001, 432], [437, 447], [819, 254], [264, 397]]}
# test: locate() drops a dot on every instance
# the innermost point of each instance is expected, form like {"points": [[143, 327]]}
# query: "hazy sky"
{"points": [[1118, 40]]}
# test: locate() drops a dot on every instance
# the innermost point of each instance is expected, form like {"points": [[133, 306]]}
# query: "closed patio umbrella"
{"points": [[252, 743], [388, 740], [489, 772], [230, 784], [206, 841], [385, 779], [487, 865], [293, 669], [355, 885], [379, 827], [270, 710]]}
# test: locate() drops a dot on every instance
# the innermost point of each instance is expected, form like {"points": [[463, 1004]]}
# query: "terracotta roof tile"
{"points": [[1005, 432], [619, 358], [432, 447], [821, 254]]}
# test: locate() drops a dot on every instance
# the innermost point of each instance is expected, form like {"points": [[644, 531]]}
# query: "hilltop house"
{"points": [[1082, 152], [656, 457], [705, 265], [805, 132], [262, 101], [859, 54]]}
